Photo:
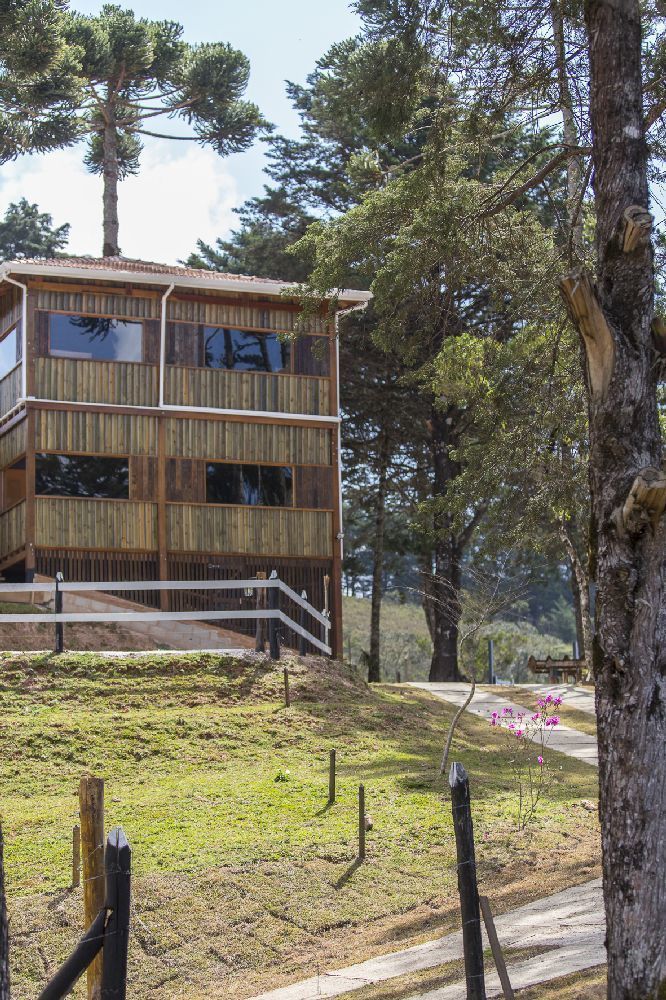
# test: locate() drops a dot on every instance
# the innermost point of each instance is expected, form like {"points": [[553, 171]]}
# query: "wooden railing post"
{"points": [[59, 628], [287, 695], [117, 868], [331, 778], [76, 857], [260, 636], [91, 808], [467, 887], [327, 609], [302, 641], [361, 823], [273, 623]]}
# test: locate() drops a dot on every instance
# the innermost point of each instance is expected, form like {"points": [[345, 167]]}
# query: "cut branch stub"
{"points": [[637, 227], [646, 501], [587, 315]]}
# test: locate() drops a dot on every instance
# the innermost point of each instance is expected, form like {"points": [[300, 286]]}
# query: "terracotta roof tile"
{"points": [[144, 267]]}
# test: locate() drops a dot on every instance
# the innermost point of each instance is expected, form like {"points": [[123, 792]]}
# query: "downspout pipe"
{"points": [[163, 322], [24, 332]]}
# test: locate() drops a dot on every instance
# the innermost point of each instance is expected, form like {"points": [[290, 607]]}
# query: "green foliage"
{"points": [[27, 232]]}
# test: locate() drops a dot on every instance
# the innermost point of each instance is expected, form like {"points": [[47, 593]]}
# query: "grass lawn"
{"points": [[243, 878]]}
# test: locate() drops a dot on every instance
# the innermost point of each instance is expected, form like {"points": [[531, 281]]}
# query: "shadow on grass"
{"points": [[348, 874]]}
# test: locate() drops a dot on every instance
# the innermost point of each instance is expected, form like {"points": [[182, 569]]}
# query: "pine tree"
{"points": [[27, 232]]}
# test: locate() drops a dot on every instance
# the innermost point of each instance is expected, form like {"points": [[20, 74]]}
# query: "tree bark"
{"points": [[4, 931], [110, 173], [446, 579], [374, 669], [629, 558]]}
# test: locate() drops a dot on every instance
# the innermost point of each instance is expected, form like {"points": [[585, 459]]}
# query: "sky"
{"points": [[185, 191]]}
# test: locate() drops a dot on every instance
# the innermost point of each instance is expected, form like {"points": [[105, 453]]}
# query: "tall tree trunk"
{"points": [[580, 586], [374, 671], [4, 931], [444, 587], [111, 246], [628, 536], [569, 131]]}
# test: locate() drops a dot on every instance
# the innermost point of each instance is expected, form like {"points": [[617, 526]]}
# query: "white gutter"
{"points": [[259, 286], [169, 407], [163, 319], [24, 331]]}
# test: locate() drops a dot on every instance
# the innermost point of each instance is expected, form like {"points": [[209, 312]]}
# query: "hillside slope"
{"points": [[244, 878]]}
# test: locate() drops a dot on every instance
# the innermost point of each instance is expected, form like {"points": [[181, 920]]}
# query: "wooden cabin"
{"points": [[156, 425]]}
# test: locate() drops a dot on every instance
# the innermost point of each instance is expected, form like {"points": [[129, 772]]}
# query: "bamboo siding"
{"points": [[279, 531], [245, 314], [247, 442], [98, 302], [95, 524], [10, 309], [12, 529], [10, 389], [230, 390], [116, 382], [12, 444], [97, 433]]}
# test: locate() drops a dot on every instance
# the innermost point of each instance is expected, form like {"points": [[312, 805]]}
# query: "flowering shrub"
{"points": [[527, 736]]}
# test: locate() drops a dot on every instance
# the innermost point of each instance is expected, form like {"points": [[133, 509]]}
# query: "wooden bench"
{"points": [[565, 671]]}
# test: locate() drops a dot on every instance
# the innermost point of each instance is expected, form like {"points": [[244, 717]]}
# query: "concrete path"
{"points": [[568, 741], [568, 926], [581, 698]]}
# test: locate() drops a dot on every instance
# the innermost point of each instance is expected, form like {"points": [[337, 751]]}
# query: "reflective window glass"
{"points": [[95, 338], [250, 485], [8, 348], [243, 350], [82, 476]]}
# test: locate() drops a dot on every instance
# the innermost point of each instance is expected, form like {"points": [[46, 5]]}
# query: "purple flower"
{"points": [[519, 733], [507, 711], [540, 759], [553, 720], [557, 701], [535, 717]]}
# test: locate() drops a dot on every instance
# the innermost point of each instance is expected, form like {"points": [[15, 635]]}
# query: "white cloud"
{"points": [[181, 194]]}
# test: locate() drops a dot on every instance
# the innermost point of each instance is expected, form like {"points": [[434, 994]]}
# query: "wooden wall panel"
{"points": [[10, 389], [97, 433], [95, 524], [186, 480], [12, 444], [245, 314], [312, 356], [98, 302], [143, 477], [279, 531], [12, 529], [116, 382], [10, 308], [83, 565], [230, 390], [247, 442], [315, 487]]}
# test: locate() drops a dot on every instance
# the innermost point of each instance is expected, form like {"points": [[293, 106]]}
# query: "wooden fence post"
{"points": [[117, 868], [260, 637], [331, 777], [361, 823], [327, 608], [287, 697], [91, 808], [4, 932], [302, 641], [59, 629], [273, 623], [496, 948], [467, 887], [76, 857]]}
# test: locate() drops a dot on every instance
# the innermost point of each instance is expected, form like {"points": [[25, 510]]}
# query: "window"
{"points": [[8, 352], [253, 485], [243, 350], [95, 338], [82, 476]]}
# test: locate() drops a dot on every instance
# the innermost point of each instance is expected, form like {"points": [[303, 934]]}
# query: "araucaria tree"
{"points": [[132, 74]]}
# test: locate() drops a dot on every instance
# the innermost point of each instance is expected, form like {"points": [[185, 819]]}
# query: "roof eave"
{"points": [[258, 286]]}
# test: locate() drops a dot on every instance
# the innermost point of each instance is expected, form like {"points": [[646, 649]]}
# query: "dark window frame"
{"points": [[291, 505], [72, 356], [126, 459]]}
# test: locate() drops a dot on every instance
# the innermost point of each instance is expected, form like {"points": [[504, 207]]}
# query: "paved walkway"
{"points": [[568, 741], [581, 698], [568, 925]]}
